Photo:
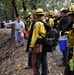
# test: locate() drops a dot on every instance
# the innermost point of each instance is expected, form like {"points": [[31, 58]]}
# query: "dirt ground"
{"points": [[13, 61], [4, 34]]}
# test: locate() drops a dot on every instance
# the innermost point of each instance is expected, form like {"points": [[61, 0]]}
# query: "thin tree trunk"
{"points": [[23, 4], [13, 27], [17, 13], [15, 8], [53, 5]]}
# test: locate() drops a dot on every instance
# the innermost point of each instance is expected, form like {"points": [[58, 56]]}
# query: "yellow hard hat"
{"points": [[40, 11], [29, 14], [71, 10], [51, 13]]}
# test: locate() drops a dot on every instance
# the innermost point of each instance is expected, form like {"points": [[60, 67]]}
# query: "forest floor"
{"points": [[14, 60]]}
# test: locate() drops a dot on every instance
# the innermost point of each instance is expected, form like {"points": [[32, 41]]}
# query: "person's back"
{"points": [[64, 20], [51, 21]]}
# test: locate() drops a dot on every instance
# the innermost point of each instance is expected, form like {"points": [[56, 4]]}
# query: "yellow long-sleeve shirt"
{"points": [[71, 39], [38, 29], [51, 21]]}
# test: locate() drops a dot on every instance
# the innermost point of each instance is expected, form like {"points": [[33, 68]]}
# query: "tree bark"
{"points": [[13, 27], [17, 13], [23, 4], [15, 8]]}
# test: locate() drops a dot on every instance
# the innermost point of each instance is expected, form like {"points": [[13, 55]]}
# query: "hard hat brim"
{"points": [[70, 13], [41, 13]]}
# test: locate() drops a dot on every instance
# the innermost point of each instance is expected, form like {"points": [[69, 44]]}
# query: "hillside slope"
{"points": [[13, 60]]}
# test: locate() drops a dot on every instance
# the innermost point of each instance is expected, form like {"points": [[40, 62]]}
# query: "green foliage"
{"points": [[6, 8], [54, 4]]}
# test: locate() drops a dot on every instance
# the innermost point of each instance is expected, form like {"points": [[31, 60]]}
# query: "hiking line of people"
{"points": [[42, 31]]}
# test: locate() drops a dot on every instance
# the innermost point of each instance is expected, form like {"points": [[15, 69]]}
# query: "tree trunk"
{"points": [[13, 27], [23, 4], [15, 8], [53, 5], [17, 13]]}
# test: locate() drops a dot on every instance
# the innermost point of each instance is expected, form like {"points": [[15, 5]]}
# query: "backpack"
{"points": [[50, 40]]}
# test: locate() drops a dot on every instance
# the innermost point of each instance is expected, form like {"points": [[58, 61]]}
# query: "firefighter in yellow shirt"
{"points": [[30, 31], [51, 18], [39, 56], [28, 20]]}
